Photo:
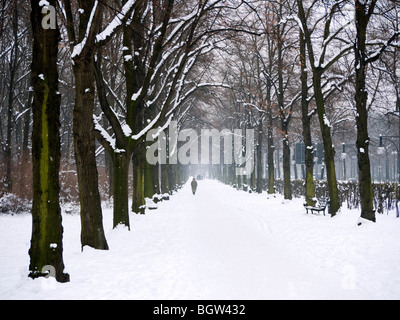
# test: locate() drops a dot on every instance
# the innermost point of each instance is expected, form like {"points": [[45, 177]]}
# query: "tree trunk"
{"points": [[323, 120], [27, 124], [121, 163], [285, 119], [309, 150], [259, 158], [361, 97], [92, 233], [10, 109], [271, 167], [287, 187], [149, 180], [134, 79], [270, 138], [46, 243], [172, 177], [164, 179], [119, 155], [110, 171], [138, 195], [328, 146]]}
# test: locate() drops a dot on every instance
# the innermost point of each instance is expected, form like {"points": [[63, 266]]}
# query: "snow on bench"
{"points": [[320, 206]]}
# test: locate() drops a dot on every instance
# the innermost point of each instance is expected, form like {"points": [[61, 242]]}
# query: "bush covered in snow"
{"points": [[11, 204], [386, 195]]}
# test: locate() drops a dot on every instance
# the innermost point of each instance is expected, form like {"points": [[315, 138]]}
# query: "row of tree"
{"points": [[107, 72], [157, 47], [315, 58]]}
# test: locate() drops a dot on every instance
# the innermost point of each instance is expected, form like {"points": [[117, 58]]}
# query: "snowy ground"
{"points": [[219, 244]]}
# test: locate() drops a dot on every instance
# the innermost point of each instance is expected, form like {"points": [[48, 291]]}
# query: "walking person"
{"points": [[194, 186]]}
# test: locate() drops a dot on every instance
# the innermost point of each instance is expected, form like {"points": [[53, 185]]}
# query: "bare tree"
{"points": [[15, 48], [84, 45], [364, 11], [46, 243], [321, 60], [161, 47]]}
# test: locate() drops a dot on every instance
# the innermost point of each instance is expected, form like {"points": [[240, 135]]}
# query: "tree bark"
{"points": [[121, 198], [164, 179], [328, 145], [120, 155], [149, 180], [287, 186], [270, 140], [259, 157], [138, 195], [10, 109], [92, 233], [324, 124], [361, 98], [46, 243], [285, 119], [306, 119]]}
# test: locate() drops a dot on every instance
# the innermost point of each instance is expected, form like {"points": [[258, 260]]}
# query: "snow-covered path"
{"points": [[235, 255], [219, 244]]}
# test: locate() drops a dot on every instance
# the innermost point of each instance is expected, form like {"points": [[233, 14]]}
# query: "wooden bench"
{"points": [[320, 206]]}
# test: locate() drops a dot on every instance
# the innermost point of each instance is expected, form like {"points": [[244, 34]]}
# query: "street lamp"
{"points": [[354, 174], [343, 157], [381, 149]]}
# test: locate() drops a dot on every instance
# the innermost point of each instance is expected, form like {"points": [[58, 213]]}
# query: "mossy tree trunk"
{"points": [[329, 149], [120, 154], [362, 15], [46, 249], [318, 69], [92, 231], [306, 119], [164, 179], [138, 195], [149, 180], [121, 163]]}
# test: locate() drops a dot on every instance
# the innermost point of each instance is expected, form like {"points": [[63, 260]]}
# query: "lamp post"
{"points": [[397, 146], [346, 154], [391, 139], [384, 150], [343, 156]]}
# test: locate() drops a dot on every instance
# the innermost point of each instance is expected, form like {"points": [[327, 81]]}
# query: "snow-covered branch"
{"points": [[117, 22], [78, 48]]}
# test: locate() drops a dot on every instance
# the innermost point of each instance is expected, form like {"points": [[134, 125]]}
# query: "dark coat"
{"points": [[194, 185]]}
